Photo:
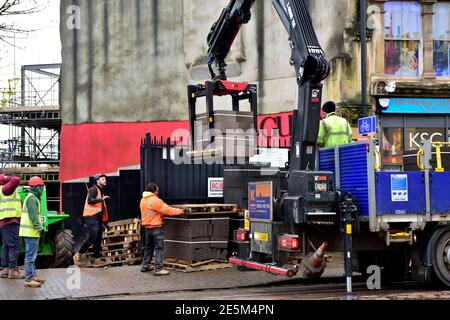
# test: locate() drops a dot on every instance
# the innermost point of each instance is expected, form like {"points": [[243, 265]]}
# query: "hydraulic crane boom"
{"points": [[307, 57], [310, 195], [224, 32]]}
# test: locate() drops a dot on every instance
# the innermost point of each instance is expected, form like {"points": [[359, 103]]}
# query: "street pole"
{"points": [[362, 23], [348, 209]]}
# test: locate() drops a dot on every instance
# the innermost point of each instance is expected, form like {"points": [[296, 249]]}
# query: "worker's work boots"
{"points": [[33, 284], [98, 263], [146, 268], [15, 274], [37, 279], [77, 259], [4, 273], [162, 272]]}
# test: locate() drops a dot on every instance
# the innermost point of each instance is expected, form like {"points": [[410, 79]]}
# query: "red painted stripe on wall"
{"points": [[87, 149]]}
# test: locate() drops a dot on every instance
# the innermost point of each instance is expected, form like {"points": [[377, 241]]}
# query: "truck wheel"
{"points": [[64, 249], [438, 255]]}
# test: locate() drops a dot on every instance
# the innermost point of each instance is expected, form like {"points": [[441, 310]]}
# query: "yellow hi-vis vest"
{"points": [[10, 206], [334, 131], [27, 229]]}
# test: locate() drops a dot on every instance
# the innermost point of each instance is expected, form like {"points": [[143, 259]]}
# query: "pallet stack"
{"points": [[121, 244], [201, 236], [242, 141]]}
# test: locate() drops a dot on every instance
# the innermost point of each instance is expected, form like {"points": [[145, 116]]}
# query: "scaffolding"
{"points": [[31, 122]]}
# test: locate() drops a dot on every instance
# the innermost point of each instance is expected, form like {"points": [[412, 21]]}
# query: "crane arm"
{"points": [[307, 57], [224, 32]]}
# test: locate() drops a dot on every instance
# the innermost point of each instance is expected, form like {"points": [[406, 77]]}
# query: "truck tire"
{"points": [[438, 256], [64, 249]]}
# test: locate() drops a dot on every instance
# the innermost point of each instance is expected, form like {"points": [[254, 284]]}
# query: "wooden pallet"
{"points": [[112, 253], [131, 224], [188, 266], [119, 233], [116, 261], [121, 245], [120, 239], [197, 209], [123, 228]]}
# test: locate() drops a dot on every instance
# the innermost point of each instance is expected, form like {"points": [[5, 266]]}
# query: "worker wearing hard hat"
{"points": [[333, 130], [10, 213], [95, 213], [31, 229], [153, 210]]}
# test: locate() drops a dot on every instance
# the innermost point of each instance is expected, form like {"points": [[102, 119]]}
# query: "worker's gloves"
{"points": [[186, 212], [106, 198]]}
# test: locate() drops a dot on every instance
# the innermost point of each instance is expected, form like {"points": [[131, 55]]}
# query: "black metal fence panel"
{"points": [[179, 183]]}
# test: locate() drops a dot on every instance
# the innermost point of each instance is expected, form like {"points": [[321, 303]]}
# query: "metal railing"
{"points": [[37, 86], [422, 153]]}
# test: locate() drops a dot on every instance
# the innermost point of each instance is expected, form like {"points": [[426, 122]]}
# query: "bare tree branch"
{"points": [[9, 8]]}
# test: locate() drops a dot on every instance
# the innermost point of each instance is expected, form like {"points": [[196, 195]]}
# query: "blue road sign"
{"points": [[367, 125]]}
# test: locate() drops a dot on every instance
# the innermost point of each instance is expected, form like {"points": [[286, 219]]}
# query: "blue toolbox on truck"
{"points": [[440, 192], [400, 192]]}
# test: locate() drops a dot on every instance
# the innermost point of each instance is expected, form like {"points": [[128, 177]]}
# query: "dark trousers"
{"points": [[11, 245], [154, 245], [95, 228]]}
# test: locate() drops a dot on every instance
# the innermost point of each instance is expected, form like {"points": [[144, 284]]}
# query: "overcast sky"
{"points": [[39, 47]]}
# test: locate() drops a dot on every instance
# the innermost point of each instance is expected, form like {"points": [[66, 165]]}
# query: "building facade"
{"points": [[127, 65], [126, 69], [412, 51]]}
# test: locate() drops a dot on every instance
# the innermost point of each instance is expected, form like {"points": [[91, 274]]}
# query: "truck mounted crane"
{"points": [[310, 193], [399, 220]]}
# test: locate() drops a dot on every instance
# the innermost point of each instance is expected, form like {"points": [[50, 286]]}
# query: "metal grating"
{"points": [[439, 198], [353, 171], [326, 160], [353, 168]]}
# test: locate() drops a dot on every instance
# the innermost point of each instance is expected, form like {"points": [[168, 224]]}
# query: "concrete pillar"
{"points": [[427, 36]]}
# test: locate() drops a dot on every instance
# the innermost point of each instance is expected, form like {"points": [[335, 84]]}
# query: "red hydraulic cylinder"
{"points": [[264, 267]]}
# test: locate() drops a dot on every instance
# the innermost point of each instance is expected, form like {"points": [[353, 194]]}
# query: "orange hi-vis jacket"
{"points": [[91, 210], [153, 210]]}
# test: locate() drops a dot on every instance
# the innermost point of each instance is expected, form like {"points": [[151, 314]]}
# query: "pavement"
{"points": [[75, 283]]}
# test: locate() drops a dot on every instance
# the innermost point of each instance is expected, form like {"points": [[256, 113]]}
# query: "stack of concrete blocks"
{"points": [[234, 133], [197, 238]]}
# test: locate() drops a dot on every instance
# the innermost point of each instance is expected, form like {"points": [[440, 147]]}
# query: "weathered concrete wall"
{"points": [[132, 59]]}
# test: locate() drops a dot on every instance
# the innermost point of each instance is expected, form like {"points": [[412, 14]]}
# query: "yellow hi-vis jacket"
{"points": [[334, 131], [27, 229], [10, 206]]}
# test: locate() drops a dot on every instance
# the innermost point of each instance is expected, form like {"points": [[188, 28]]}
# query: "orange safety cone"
{"points": [[316, 259], [314, 266]]}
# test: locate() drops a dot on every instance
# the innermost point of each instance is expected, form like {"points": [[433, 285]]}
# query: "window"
{"points": [[441, 39], [402, 38], [393, 146]]}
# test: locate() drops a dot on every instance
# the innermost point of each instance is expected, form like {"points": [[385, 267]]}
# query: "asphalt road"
{"points": [[329, 289]]}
